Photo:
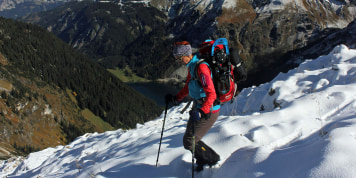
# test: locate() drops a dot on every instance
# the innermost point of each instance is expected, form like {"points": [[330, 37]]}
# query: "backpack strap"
{"points": [[196, 77]]}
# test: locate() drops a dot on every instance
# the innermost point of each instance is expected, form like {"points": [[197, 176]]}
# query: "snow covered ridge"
{"points": [[281, 4], [328, 8], [301, 124]]}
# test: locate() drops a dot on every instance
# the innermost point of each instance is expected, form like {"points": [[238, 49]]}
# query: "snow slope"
{"points": [[301, 124]]}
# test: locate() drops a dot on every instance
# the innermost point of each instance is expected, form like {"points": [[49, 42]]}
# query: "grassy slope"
{"points": [[96, 121], [126, 75]]}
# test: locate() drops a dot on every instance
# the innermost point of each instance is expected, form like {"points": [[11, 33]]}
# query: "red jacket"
{"points": [[206, 86]]}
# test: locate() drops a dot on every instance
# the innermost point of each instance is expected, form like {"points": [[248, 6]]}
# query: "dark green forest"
{"points": [[113, 35], [36, 53]]}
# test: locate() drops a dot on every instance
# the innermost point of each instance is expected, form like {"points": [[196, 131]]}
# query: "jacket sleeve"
{"points": [[185, 90], [204, 74]]}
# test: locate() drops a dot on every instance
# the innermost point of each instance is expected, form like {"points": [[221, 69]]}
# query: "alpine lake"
{"points": [[156, 90]]}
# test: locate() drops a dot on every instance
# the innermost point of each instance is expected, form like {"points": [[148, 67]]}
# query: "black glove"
{"points": [[203, 115], [197, 114], [194, 115], [171, 99]]}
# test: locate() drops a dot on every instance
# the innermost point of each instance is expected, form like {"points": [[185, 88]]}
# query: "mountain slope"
{"points": [[96, 88], [301, 124], [345, 36], [262, 31], [44, 79], [281, 26], [115, 35], [18, 8]]}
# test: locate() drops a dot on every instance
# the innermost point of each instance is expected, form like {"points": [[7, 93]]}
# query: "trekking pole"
{"points": [[193, 149], [186, 107], [164, 120]]}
